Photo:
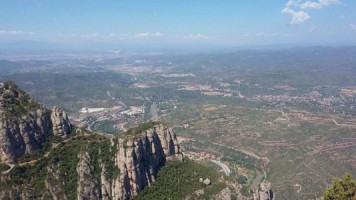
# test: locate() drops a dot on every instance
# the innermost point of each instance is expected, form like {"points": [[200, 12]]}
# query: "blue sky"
{"points": [[180, 22]]}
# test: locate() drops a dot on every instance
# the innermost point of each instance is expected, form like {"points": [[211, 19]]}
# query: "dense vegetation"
{"points": [[177, 180], [58, 166], [105, 126], [16, 102], [342, 189], [141, 128]]}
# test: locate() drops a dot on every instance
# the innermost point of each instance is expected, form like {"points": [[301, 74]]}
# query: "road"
{"points": [[89, 127], [222, 165]]}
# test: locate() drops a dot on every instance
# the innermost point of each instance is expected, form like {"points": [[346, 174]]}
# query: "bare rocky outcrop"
{"points": [[265, 192], [60, 123], [25, 124], [22, 135], [87, 183], [106, 192], [140, 159]]}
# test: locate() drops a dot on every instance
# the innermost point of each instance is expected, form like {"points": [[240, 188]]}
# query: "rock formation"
{"points": [[87, 182], [265, 192], [25, 124], [140, 159], [60, 123]]}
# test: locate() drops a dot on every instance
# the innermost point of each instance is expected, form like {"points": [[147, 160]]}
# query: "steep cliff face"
{"points": [[265, 192], [87, 181], [25, 124], [138, 159], [60, 123], [23, 135]]}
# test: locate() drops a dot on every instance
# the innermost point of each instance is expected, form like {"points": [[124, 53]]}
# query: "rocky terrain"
{"points": [[265, 192], [133, 163], [118, 169], [25, 124]]}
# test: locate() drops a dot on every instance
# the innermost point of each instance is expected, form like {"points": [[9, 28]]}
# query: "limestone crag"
{"points": [[23, 135], [60, 123], [25, 124], [265, 192], [139, 160], [105, 183], [87, 183]]}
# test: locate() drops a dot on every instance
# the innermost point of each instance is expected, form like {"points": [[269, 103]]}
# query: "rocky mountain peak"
{"points": [[60, 123], [25, 124]]}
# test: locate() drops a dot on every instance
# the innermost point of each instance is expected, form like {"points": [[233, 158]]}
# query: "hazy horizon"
{"points": [[197, 25]]}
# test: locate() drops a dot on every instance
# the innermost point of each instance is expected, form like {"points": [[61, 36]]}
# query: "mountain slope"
{"points": [[25, 124], [44, 156]]}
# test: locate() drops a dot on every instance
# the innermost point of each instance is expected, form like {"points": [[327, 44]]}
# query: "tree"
{"points": [[342, 189]]}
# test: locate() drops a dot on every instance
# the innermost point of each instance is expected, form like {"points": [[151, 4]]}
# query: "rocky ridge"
{"points": [[138, 159], [98, 167], [116, 168], [25, 124]]}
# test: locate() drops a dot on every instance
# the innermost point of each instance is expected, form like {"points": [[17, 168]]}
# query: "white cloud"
{"points": [[148, 35], [88, 36], [196, 36], [319, 4], [353, 27], [16, 33], [292, 3], [112, 34], [142, 35], [301, 16], [158, 34], [298, 17]]}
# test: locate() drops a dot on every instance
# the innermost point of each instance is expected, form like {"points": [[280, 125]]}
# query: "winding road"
{"points": [[222, 165]]}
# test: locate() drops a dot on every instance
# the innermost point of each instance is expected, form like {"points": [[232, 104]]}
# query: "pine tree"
{"points": [[342, 189]]}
